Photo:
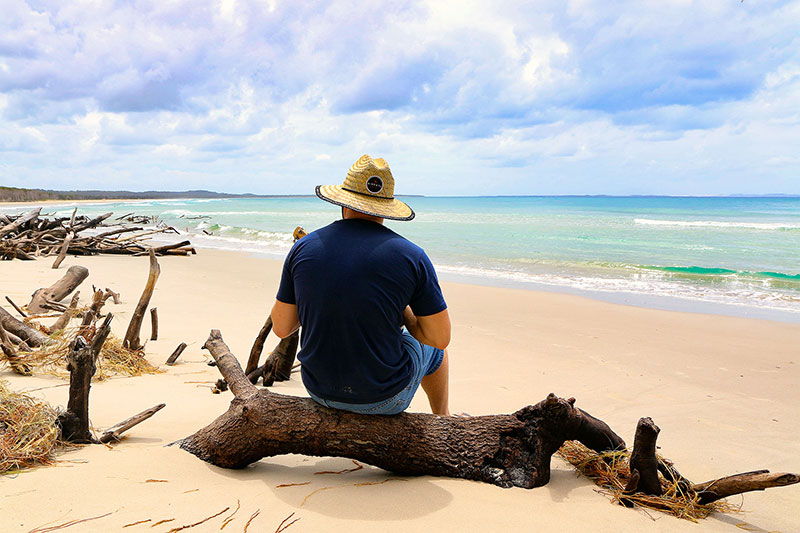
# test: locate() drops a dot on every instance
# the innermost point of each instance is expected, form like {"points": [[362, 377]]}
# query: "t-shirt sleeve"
{"points": [[427, 298], [286, 287]]}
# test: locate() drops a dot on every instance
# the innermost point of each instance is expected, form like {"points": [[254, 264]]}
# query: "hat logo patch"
{"points": [[374, 184]]}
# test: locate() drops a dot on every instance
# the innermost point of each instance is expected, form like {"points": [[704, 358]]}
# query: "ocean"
{"points": [[728, 255]]}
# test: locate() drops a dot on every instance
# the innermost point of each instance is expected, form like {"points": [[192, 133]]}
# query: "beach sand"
{"points": [[723, 390]]}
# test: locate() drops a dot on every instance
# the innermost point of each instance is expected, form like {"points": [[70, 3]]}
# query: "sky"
{"points": [[464, 97]]}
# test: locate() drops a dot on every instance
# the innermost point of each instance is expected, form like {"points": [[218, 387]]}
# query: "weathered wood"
{"points": [[20, 221], [154, 324], [117, 232], [64, 247], [643, 461], [91, 223], [101, 335], [81, 363], [114, 296], [25, 332], [14, 361], [258, 346], [177, 353], [278, 366], [131, 340], [16, 307], [74, 423], [714, 490], [505, 450], [68, 313], [59, 290], [90, 315], [113, 433], [27, 238], [167, 247]]}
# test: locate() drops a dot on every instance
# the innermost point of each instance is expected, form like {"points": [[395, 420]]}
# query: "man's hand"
{"points": [[284, 319], [433, 330]]}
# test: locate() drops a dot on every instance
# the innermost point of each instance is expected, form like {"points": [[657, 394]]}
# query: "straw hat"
{"points": [[369, 189]]}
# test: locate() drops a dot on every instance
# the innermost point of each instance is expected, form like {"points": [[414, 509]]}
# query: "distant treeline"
{"points": [[14, 194]]}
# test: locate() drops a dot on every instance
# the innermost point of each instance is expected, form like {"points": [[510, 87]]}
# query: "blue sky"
{"points": [[462, 97]]}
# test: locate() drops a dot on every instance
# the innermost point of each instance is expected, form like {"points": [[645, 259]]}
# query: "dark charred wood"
{"points": [[99, 338], [643, 460], [258, 346], [74, 423], [278, 366], [504, 450]]}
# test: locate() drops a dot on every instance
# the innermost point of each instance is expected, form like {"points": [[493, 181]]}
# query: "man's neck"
{"points": [[348, 213]]}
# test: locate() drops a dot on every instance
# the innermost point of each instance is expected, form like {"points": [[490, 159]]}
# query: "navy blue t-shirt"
{"points": [[351, 281]]}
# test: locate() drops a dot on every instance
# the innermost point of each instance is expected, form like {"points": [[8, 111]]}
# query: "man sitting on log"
{"points": [[351, 285]]}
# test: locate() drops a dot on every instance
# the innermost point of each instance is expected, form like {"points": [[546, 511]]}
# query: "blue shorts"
{"points": [[425, 360]]}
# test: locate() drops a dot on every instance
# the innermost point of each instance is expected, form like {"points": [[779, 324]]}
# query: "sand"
{"points": [[723, 390]]}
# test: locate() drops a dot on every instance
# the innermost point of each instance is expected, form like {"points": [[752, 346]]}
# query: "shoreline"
{"points": [[722, 389], [703, 296], [488, 278]]}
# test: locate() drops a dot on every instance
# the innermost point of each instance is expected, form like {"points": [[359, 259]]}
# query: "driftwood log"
{"points": [[154, 324], [279, 363], [64, 247], [42, 298], [62, 321], [81, 363], [30, 335], [16, 307], [131, 340], [9, 351], [114, 432], [258, 346], [645, 466], [643, 462], [504, 450], [177, 353]]}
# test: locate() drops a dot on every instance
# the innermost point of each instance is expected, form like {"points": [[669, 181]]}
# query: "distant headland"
{"points": [[14, 194]]}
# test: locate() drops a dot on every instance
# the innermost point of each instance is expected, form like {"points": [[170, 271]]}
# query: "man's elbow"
{"points": [[441, 345], [441, 341], [281, 331]]}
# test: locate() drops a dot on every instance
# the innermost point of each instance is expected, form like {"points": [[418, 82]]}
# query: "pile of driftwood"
{"points": [[31, 234], [23, 341]]}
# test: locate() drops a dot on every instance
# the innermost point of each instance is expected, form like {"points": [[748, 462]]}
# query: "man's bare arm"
{"points": [[284, 319], [433, 330]]}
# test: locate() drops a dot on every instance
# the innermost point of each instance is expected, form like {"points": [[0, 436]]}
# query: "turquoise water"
{"points": [[729, 251]]}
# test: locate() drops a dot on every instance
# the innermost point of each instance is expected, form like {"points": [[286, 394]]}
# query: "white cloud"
{"points": [[554, 97]]}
